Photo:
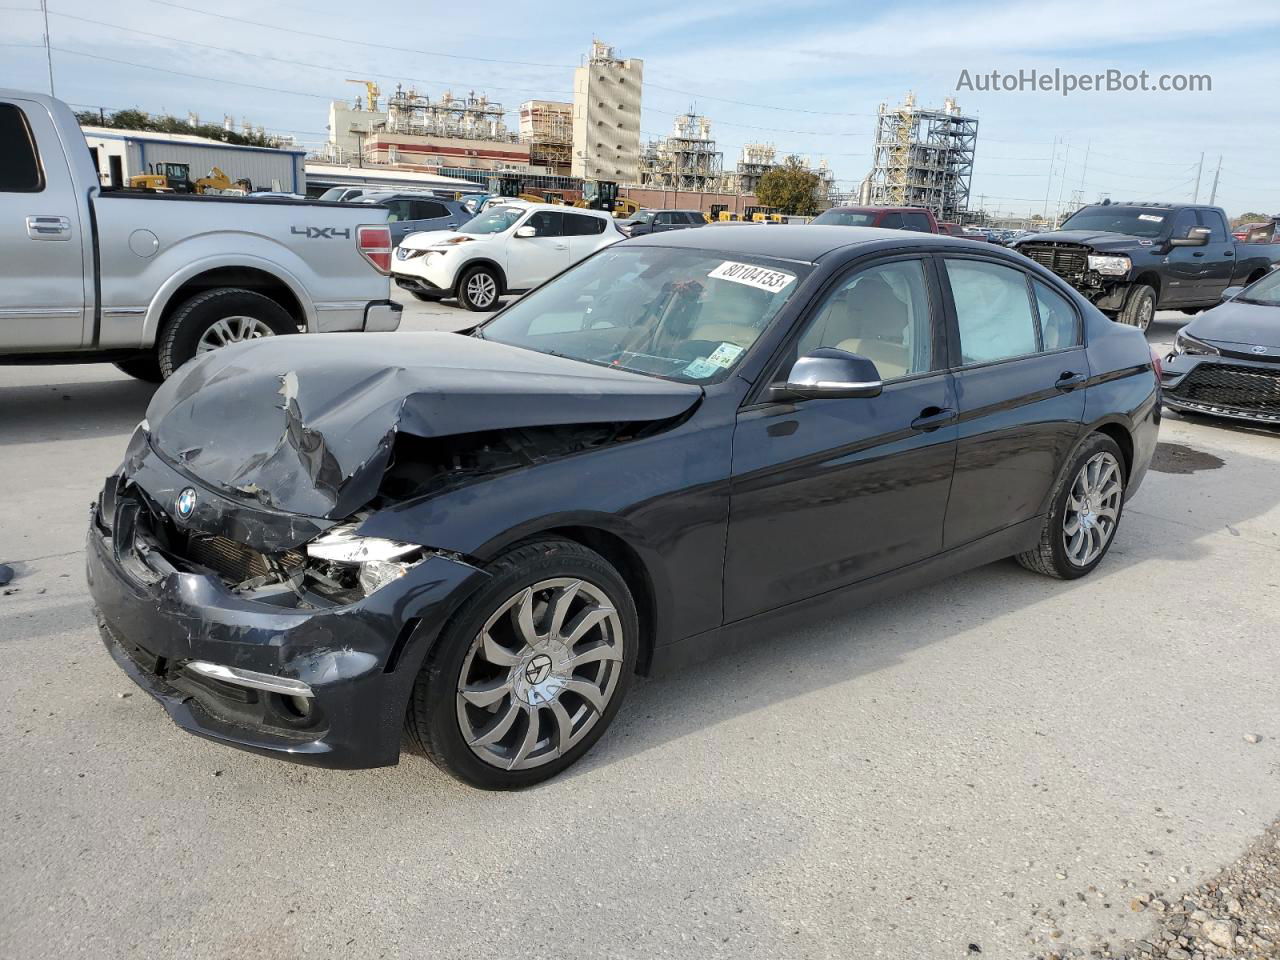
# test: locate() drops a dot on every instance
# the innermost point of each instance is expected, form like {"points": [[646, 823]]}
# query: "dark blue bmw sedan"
{"points": [[315, 544]]}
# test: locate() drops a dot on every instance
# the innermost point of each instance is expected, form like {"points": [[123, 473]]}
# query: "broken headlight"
{"points": [[371, 562]]}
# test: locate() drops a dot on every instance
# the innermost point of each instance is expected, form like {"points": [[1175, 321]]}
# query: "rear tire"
{"points": [[145, 367], [538, 712], [1084, 512], [218, 318], [1139, 307], [479, 289]]}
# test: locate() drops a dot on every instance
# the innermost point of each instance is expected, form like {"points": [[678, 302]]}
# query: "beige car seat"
{"points": [[870, 320]]}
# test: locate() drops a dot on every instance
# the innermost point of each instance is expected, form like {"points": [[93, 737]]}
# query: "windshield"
{"points": [[845, 218], [1266, 290], [1131, 221], [677, 313], [493, 220], [642, 216]]}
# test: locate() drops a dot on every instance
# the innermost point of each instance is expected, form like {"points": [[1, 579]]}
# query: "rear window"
{"points": [[20, 170], [916, 221], [846, 218]]}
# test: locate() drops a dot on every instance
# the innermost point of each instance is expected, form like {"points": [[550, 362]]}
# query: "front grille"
{"points": [[1246, 389], [234, 561], [1064, 259]]}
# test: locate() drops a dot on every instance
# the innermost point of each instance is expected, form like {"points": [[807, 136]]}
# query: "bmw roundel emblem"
{"points": [[186, 503]]}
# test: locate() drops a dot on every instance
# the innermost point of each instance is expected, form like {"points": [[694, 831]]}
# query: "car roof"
{"points": [[804, 242], [874, 209]]}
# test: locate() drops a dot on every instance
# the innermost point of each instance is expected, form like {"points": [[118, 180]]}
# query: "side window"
{"points": [[1184, 221], [664, 219], [1058, 324], [916, 221], [20, 170], [881, 313], [993, 311], [579, 225], [428, 210], [891, 221], [692, 216], [399, 210], [1213, 220], [546, 222]]}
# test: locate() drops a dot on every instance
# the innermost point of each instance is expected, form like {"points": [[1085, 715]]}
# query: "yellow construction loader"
{"points": [[176, 178]]}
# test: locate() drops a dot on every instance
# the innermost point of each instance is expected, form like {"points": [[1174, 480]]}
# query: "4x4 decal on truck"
{"points": [[322, 233]]}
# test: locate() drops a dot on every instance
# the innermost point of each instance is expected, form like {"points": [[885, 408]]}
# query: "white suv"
{"points": [[509, 248]]}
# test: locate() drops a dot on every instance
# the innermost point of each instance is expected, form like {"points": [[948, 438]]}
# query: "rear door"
{"points": [[42, 250], [585, 234], [531, 260], [432, 215], [400, 220], [1218, 257], [1020, 369]]}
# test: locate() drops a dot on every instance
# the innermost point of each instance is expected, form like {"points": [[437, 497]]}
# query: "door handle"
{"points": [[1069, 380], [49, 228], [451, 226], [562, 246], [1198, 253], [931, 418], [1229, 253]]}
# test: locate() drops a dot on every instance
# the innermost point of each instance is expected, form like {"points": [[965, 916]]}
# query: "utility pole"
{"points": [[1213, 192], [1087, 147], [1062, 188], [1195, 197], [1053, 156], [48, 49]]}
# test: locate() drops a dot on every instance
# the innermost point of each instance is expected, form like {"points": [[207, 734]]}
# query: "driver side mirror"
{"points": [[828, 372], [1196, 237], [1231, 293], [526, 232]]}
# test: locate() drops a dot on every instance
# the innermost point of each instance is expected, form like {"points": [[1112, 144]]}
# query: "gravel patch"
{"points": [[1235, 914]]}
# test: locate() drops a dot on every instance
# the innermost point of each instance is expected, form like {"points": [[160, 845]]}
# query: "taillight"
{"points": [[1157, 364], [374, 244]]}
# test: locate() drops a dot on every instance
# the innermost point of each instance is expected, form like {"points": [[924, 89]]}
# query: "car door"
{"points": [[1218, 258], [432, 215], [42, 255], [1183, 265], [831, 491], [1019, 372], [585, 234], [531, 260], [665, 221]]}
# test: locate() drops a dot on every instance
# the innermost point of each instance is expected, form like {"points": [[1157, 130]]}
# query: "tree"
{"points": [[138, 120], [790, 188], [1251, 218]]}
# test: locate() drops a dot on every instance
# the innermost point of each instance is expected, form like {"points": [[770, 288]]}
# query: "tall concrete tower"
{"points": [[606, 117]]}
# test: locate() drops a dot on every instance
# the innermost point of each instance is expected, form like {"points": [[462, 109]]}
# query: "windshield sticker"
{"points": [[701, 368], [761, 278], [724, 355], [1151, 217]]}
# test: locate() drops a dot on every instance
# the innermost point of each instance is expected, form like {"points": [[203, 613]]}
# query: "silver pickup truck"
{"points": [[148, 280]]}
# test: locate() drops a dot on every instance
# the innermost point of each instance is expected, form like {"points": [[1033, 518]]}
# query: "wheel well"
{"points": [[1255, 276], [628, 563], [1123, 440], [247, 278], [481, 262], [1152, 280]]}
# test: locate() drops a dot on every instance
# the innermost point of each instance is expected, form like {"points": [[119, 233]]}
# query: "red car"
{"points": [[892, 218]]}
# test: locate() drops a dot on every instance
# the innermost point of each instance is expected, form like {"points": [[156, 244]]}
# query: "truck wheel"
{"points": [[479, 289], [145, 367], [215, 319], [1139, 307]]}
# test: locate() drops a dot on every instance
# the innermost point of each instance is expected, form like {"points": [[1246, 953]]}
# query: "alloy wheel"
{"points": [[1145, 314], [482, 290], [540, 673], [1092, 510], [230, 330]]}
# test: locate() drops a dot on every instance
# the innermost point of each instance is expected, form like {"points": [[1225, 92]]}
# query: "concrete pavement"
{"points": [[940, 770]]}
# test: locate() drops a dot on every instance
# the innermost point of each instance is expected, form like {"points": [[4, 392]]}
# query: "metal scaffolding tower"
{"points": [[466, 118], [547, 127], [924, 158], [685, 160]]}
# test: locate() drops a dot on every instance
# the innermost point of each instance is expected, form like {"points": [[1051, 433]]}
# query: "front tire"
{"points": [[532, 669], [143, 367], [1139, 307], [218, 318], [1084, 513], [479, 289]]}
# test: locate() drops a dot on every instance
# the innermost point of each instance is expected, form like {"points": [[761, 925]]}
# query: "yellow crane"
{"points": [[373, 91]]}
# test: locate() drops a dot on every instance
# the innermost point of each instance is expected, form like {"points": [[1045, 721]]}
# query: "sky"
{"points": [[805, 76]]}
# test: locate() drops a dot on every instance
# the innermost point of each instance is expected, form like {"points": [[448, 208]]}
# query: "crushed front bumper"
{"points": [[1223, 386], [359, 660]]}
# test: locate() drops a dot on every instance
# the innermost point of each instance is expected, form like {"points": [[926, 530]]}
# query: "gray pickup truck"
{"points": [[148, 280]]}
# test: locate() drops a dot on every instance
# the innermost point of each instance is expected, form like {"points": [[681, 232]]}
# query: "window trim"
{"points": [[953, 320], [938, 347], [1078, 327], [41, 181]]}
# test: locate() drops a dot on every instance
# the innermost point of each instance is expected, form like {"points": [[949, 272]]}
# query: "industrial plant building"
{"points": [[606, 117], [923, 158]]}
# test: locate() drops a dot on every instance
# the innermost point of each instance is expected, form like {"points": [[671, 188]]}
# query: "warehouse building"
{"points": [[121, 154]]}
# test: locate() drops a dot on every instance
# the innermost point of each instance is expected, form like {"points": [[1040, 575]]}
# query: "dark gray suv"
{"points": [[414, 212], [656, 221]]}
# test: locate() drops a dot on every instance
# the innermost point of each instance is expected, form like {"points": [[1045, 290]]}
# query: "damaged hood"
{"points": [[305, 424], [1099, 240]]}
